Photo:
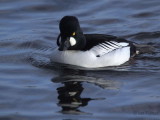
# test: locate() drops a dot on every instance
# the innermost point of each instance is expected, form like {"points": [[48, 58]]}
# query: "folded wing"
{"points": [[108, 46]]}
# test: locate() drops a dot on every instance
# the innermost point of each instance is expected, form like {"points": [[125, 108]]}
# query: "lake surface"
{"points": [[33, 89]]}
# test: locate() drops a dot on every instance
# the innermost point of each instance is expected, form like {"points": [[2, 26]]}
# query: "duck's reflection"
{"points": [[70, 99], [69, 94]]}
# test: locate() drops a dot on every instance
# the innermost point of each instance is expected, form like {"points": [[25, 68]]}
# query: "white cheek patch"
{"points": [[72, 41]]}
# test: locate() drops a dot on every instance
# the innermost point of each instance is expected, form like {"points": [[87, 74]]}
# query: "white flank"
{"points": [[123, 43], [89, 59]]}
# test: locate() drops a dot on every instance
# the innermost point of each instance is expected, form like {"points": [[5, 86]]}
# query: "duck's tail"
{"points": [[144, 48]]}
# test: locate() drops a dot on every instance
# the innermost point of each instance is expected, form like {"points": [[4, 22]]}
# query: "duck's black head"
{"points": [[71, 36]]}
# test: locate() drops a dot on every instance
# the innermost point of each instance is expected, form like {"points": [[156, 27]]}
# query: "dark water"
{"points": [[32, 89]]}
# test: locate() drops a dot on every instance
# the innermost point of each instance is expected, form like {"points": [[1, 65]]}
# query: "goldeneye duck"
{"points": [[89, 50]]}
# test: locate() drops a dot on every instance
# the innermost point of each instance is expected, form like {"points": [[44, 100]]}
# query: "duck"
{"points": [[89, 50]]}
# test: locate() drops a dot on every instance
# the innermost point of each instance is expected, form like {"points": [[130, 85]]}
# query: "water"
{"points": [[33, 89]]}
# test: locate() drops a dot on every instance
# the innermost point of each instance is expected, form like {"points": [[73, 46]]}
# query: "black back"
{"points": [[95, 39]]}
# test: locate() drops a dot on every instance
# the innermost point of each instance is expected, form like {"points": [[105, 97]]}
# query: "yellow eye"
{"points": [[74, 34]]}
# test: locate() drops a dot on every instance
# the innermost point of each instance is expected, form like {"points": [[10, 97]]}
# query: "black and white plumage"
{"points": [[89, 50]]}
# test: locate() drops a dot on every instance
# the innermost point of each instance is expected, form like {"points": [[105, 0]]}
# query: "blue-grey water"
{"points": [[31, 88]]}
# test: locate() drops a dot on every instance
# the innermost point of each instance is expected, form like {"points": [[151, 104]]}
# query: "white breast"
{"points": [[113, 56]]}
